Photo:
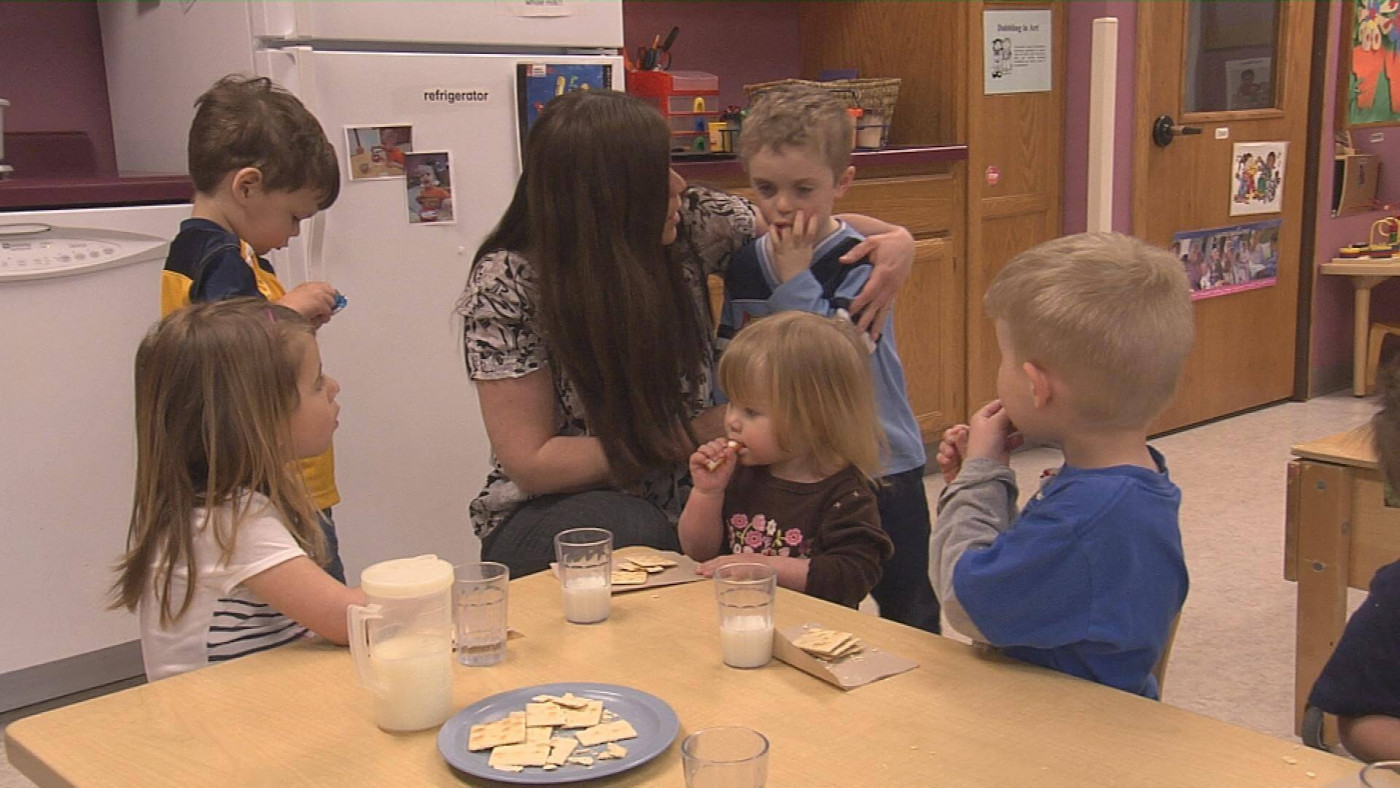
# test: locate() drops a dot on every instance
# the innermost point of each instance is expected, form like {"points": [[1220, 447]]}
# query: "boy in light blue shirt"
{"points": [[796, 147], [1094, 330]]}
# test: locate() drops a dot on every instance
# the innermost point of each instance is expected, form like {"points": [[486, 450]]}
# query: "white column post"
{"points": [[1103, 87]]}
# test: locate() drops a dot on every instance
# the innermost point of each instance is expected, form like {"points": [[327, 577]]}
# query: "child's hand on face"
{"points": [[951, 451], [793, 245], [991, 435], [314, 300], [711, 467]]}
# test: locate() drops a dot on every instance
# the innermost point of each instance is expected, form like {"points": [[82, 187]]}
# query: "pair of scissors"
{"points": [[651, 58]]}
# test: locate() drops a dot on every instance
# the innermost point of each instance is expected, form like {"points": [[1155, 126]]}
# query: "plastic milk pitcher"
{"points": [[401, 641]]}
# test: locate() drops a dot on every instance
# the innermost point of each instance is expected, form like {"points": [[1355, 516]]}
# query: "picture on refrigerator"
{"points": [[538, 83], [429, 187], [377, 151]]}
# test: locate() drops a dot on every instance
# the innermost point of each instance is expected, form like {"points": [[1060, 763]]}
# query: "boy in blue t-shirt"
{"points": [[796, 147], [1094, 330]]}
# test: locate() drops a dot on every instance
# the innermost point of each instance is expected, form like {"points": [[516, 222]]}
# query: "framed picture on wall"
{"points": [[1370, 54]]}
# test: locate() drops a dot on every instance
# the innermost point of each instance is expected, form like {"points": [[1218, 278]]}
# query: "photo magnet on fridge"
{"points": [[429, 187], [375, 152]]}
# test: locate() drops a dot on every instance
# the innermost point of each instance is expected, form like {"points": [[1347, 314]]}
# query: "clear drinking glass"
{"points": [[1381, 774], [481, 598], [728, 757], [745, 593], [585, 573]]}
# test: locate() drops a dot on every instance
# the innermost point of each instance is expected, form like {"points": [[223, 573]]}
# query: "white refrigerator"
{"points": [[411, 451]]}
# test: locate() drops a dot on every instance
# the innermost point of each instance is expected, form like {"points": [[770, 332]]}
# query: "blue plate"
{"points": [[654, 720]]}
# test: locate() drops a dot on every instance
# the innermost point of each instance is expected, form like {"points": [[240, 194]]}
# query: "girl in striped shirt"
{"points": [[224, 551]]}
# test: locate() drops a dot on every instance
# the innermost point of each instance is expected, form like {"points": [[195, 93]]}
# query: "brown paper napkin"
{"points": [[870, 665]]}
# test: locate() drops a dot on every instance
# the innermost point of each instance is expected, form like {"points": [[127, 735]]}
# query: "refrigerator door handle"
{"points": [[312, 263]]}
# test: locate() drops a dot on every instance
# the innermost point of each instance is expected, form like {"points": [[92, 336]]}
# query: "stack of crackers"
{"points": [[633, 571], [828, 644], [527, 738]]}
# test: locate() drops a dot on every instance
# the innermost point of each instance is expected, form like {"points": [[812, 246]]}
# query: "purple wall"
{"points": [[52, 73], [740, 42], [1080, 39], [1330, 362]]}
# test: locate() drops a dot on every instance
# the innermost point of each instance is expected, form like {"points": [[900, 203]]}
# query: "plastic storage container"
{"points": [[687, 99]]}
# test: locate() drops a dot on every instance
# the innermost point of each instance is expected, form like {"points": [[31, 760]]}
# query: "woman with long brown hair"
{"points": [[587, 330]]}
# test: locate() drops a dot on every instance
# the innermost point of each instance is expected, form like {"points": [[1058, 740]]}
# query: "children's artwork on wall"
{"points": [[1247, 83], [538, 83], [1256, 177], [1229, 260], [375, 152], [1370, 54], [429, 180]]}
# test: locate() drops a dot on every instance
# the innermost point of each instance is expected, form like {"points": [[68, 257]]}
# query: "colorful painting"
{"points": [[1372, 83], [1229, 260], [1256, 177], [538, 83]]}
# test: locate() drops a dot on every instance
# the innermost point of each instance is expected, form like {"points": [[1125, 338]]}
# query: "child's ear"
{"points": [[246, 181], [844, 182], [1039, 381]]}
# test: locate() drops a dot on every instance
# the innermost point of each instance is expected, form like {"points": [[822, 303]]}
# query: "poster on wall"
{"points": [[377, 151], [1370, 80], [538, 83], [1247, 83], [1256, 177], [429, 187], [1016, 56], [1229, 260]]}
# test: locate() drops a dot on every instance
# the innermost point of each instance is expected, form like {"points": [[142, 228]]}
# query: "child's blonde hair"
{"points": [[799, 116], [1108, 313], [812, 374], [216, 386]]}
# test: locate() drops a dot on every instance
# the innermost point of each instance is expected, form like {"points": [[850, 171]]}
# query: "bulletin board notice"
{"points": [[1016, 54]]}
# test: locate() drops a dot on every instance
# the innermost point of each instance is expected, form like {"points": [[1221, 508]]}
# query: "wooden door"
{"points": [[928, 328], [1014, 175], [1191, 62]]}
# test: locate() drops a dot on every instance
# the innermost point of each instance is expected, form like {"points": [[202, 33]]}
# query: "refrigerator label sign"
{"points": [[437, 96], [538, 7]]}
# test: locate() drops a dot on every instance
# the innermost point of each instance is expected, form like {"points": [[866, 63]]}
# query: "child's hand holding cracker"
{"points": [[712, 466], [991, 435]]}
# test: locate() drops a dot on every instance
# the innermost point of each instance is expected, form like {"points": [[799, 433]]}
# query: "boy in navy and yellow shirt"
{"points": [[260, 164]]}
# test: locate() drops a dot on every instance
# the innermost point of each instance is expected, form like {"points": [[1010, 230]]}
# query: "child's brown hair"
{"points": [[216, 385], [251, 122], [799, 116], [812, 373]]}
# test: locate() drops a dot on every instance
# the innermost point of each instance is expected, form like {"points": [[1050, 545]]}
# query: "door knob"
{"points": [[1164, 129]]}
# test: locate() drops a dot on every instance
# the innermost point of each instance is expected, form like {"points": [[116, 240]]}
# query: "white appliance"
{"points": [[78, 290], [411, 451]]}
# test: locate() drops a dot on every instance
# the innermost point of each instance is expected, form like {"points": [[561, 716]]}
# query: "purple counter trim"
{"points": [[731, 168], [24, 194]]}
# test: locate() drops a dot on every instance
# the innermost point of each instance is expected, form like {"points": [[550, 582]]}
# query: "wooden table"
{"points": [[1338, 531], [295, 715], [1365, 275]]}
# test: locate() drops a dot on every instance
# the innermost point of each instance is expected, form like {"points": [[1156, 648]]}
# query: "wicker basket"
{"points": [[877, 96]]}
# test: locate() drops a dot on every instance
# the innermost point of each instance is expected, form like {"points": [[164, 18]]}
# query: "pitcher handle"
{"points": [[355, 618]]}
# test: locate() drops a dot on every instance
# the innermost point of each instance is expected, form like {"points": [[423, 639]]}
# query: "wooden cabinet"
{"points": [[930, 312]]}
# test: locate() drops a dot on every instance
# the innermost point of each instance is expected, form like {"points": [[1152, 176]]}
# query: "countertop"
{"points": [[731, 168], [93, 191]]}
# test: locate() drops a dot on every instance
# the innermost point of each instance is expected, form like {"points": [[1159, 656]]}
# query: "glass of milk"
{"points": [[745, 593], [584, 557], [727, 757]]}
